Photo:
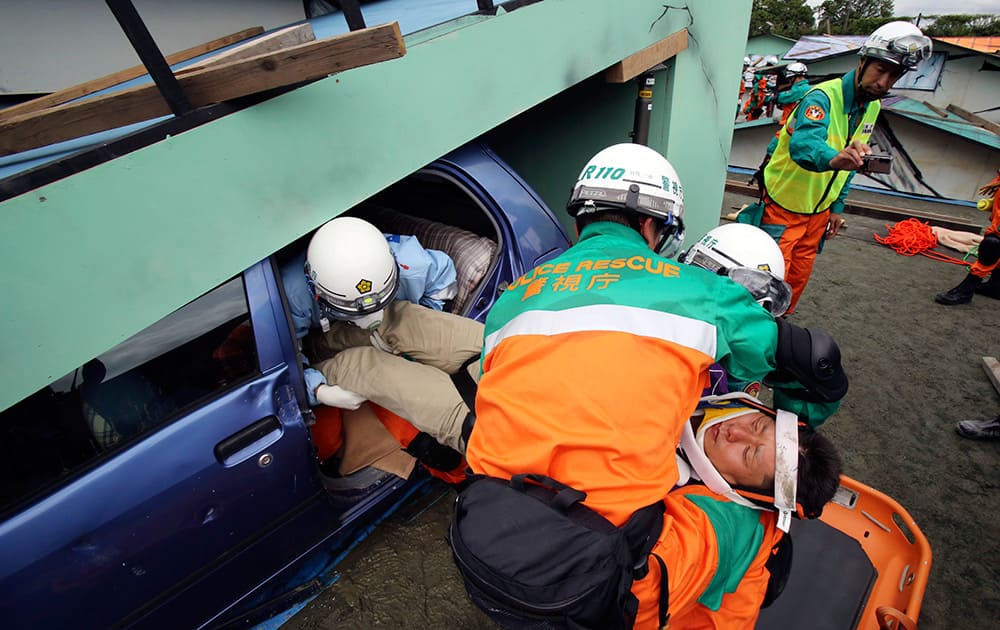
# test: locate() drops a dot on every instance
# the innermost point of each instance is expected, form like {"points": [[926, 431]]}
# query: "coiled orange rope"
{"points": [[911, 237]]}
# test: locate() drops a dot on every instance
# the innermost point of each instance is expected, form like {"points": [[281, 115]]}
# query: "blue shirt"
{"points": [[426, 276]]}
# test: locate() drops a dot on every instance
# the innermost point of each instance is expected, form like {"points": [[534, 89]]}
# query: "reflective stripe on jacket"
{"points": [[799, 190], [593, 362]]}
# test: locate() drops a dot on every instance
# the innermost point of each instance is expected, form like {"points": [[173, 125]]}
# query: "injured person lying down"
{"points": [[746, 469]]}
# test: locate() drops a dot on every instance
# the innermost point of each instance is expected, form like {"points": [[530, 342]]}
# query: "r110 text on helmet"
{"points": [[633, 178]]}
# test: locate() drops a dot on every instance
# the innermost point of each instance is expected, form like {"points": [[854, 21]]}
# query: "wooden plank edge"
{"points": [[877, 211], [284, 38], [992, 368], [989, 125], [937, 110], [637, 63], [95, 85], [208, 85]]}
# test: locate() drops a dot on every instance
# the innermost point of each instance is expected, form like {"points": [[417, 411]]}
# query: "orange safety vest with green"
{"points": [[593, 362], [716, 554], [807, 192]]}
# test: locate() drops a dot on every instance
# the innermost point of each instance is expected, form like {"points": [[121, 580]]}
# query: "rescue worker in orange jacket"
{"points": [[824, 142], [754, 106], [594, 361], [989, 257]]}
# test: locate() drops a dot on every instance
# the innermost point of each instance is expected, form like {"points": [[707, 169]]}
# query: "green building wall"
{"points": [[89, 260]]}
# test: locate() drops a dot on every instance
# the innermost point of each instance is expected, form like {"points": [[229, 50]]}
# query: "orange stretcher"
{"points": [[863, 565]]}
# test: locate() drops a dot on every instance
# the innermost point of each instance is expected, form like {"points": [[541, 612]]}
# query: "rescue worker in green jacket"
{"points": [[824, 142], [795, 87]]}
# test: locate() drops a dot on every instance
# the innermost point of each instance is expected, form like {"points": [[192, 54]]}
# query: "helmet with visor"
{"points": [[748, 256], [899, 43]]}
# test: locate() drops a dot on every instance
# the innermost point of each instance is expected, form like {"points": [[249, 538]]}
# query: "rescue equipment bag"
{"points": [[532, 555]]}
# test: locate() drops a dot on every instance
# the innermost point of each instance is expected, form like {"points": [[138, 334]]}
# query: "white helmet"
{"points": [[796, 69], [900, 43], [633, 177], [770, 60], [750, 257], [351, 271]]}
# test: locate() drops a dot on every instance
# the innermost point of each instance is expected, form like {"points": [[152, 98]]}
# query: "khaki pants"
{"points": [[413, 381]]}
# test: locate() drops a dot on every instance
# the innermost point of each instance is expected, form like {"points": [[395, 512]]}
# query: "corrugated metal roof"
{"points": [[918, 111], [813, 47], [986, 44]]}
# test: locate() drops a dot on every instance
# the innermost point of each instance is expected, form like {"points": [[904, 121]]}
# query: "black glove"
{"points": [[430, 453]]}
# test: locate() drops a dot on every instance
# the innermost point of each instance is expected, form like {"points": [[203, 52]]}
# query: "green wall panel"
{"points": [[90, 260]]}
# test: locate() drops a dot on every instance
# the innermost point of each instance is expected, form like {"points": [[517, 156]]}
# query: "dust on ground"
{"points": [[915, 369]]}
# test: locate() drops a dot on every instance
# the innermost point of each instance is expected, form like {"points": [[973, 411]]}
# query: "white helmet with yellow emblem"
{"points": [[351, 271], [750, 257]]}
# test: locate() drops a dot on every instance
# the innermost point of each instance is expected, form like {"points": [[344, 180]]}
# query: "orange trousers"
{"points": [[799, 243]]}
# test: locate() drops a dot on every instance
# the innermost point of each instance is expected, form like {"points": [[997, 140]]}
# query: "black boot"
{"points": [[990, 288], [962, 294]]}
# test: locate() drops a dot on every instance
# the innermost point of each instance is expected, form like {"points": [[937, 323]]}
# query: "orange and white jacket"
{"points": [[593, 362]]}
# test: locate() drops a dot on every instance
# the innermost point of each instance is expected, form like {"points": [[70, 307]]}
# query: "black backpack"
{"points": [[533, 556]]}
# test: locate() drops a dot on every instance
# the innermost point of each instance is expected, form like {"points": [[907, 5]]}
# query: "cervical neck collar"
{"points": [[718, 409]]}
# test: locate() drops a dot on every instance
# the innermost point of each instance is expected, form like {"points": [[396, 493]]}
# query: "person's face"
{"points": [[875, 78], [742, 449]]}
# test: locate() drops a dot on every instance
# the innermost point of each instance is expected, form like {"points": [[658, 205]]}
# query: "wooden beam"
{"points": [[937, 110], [632, 66], [284, 38], [989, 125], [305, 62], [874, 210], [96, 85], [992, 367]]}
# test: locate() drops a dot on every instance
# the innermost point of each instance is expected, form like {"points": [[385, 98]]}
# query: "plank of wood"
{"points": [[305, 62], [632, 66], [877, 211], [284, 38], [937, 110], [100, 83], [992, 367], [974, 119]]}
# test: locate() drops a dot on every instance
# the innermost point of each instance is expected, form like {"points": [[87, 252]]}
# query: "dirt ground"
{"points": [[915, 369]]}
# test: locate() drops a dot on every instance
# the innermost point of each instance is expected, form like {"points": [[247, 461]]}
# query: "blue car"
{"points": [[171, 482]]}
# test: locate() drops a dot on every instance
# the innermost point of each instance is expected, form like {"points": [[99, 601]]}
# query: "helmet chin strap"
{"points": [[371, 321]]}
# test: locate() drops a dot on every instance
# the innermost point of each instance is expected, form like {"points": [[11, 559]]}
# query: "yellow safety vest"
{"points": [[807, 192]]}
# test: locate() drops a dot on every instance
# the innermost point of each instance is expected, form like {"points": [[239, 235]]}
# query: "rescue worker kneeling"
{"points": [[592, 366], [721, 552]]}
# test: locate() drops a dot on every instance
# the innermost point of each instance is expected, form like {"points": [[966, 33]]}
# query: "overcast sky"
{"points": [[933, 7], [913, 7]]}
